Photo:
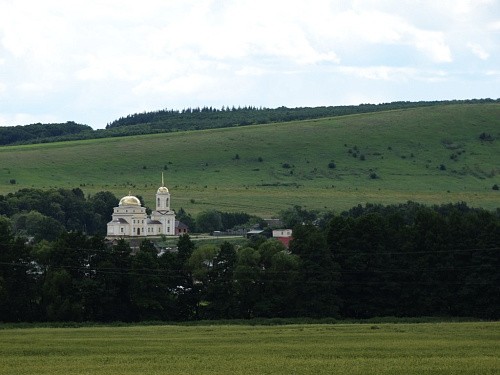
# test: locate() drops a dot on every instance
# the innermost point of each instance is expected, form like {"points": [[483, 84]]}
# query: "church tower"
{"points": [[164, 215], [162, 197]]}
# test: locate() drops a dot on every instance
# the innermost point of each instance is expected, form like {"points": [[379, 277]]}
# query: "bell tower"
{"points": [[162, 197]]}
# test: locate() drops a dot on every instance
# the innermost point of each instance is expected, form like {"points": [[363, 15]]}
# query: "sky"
{"points": [[93, 61]]}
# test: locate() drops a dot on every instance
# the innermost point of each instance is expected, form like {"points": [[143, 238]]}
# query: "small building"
{"points": [[181, 228], [255, 232], [274, 223], [283, 235]]}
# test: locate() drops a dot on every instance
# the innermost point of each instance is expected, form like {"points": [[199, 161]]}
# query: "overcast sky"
{"points": [[92, 61]]}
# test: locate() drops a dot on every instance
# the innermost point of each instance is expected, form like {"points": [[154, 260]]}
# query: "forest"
{"points": [[405, 260], [169, 120]]}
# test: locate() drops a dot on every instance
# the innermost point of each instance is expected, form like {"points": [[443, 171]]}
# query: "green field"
{"points": [[425, 348], [405, 149]]}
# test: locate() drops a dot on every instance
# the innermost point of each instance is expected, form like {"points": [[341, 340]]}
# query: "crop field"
{"points": [[425, 348], [430, 155]]}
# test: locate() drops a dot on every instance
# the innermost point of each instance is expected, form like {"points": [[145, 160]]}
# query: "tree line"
{"points": [[46, 214], [405, 260], [170, 120]]}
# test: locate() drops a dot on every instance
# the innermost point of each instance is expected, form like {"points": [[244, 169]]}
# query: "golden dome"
{"points": [[162, 189], [129, 200]]}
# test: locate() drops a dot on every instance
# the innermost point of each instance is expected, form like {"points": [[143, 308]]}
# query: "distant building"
{"points": [[255, 233], [181, 228], [283, 235], [129, 219], [274, 223]]}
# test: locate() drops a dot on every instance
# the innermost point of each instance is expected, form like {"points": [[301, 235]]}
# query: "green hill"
{"points": [[431, 155]]}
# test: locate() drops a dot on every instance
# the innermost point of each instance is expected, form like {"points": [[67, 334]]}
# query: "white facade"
{"points": [[282, 233], [130, 219]]}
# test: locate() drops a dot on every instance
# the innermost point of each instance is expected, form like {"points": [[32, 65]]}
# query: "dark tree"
{"points": [[220, 291], [318, 278]]}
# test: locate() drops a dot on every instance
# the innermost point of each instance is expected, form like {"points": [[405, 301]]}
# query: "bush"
{"points": [[332, 165], [286, 165], [373, 176], [495, 187], [485, 137], [13, 181]]}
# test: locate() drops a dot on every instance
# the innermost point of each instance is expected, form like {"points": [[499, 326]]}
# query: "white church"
{"points": [[130, 219]]}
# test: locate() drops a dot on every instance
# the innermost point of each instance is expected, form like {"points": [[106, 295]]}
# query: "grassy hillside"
{"points": [[429, 155]]}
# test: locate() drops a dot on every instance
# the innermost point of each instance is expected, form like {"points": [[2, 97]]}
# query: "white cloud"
{"points": [[385, 73], [494, 26], [433, 44], [478, 50], [394, 74], [183, 85], [250, 71]]}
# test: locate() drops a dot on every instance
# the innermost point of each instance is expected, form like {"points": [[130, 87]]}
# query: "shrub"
{"points": [[332, 165], [373, 176], [495, 187], [442, 167], [286, 165], [13, 181], [485, 137]]}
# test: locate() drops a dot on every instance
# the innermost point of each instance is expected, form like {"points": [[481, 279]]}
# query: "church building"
{"points": [[130, 219]]}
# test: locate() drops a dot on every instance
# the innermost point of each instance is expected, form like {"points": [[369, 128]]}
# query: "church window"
{"points": [[121, 230]]}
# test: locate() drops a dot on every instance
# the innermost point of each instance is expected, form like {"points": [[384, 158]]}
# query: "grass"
{"points": [[404, 148], [426, 348]]}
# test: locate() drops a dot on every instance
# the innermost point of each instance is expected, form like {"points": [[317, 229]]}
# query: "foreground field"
{"points": [[439, 348], [429, 155]]}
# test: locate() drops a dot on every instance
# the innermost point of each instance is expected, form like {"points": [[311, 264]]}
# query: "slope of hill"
{"points": [[167, 121], [430, 155]]}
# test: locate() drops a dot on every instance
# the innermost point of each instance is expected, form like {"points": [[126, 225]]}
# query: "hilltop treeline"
{"points": [[209, 117], [35, 133], [406, 260], [169, 120]]}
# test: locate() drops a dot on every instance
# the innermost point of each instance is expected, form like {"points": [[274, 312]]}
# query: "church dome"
{"points": [[162, 190], [130, 200]]}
